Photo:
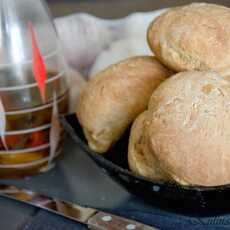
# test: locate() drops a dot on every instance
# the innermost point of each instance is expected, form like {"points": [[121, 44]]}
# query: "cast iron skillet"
{"points": [[193, 200]]}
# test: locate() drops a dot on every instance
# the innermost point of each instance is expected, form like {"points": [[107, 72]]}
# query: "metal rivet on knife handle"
{"points": [[103, 221], [131, 226], [107, 218]]}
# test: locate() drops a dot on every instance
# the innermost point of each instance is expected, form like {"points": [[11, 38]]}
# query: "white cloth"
{"points": [[90, 44], [84, 37]]}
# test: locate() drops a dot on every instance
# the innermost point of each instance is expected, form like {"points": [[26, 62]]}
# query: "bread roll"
{"points": [[115, 97], [193, 37], [141, 161], [189, 129]]}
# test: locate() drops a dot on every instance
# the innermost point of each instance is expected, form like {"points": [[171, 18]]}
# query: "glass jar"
{"points": [[33, 89]]}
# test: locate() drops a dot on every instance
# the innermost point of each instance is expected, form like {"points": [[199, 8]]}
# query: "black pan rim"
{"points": [[117, 168]]}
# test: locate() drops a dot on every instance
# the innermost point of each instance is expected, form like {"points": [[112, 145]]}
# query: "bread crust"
{"points": [[193, 37], [189, 130], [141, 160], [115, 97]]}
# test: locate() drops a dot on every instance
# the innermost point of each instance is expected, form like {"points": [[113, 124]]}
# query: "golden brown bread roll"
{"points": [[193, 37], [189, 129], [115, 97], [141, 161]]}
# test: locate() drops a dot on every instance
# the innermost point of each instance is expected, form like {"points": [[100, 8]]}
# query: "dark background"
{"points": [[115, 8]]}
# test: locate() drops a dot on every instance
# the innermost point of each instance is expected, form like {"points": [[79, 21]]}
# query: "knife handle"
{"points": [[104, 221], [93, 218]]}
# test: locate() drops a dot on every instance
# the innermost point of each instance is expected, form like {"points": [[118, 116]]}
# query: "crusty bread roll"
{"points": [[189, 128], [115, 97], [141, 161], [193, 37]]}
